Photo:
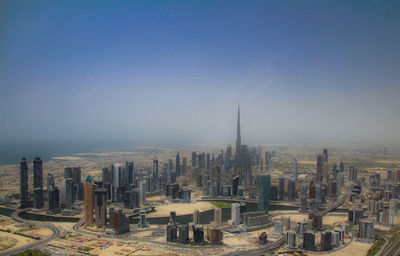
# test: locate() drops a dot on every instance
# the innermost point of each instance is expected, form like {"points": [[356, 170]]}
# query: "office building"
{"points": [[24, 183], [172, 232], [54, 200], [214, 235], [291, 239], [50, 181], [235, 214], [89, 204], [100, 206], [184, 234], [263, 191], [142, 219], [326, 241], [38, 183], [121, 222], [309, 241], [198, 234]]}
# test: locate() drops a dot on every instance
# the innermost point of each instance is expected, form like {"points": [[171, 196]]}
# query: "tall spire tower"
{"points": [[238, 139]]}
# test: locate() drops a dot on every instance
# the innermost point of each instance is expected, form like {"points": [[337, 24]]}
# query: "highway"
{"points": [[391, 248], [15, 216]]}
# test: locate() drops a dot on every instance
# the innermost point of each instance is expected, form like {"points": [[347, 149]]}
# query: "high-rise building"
{"points": [[303, 198], [184, 166], [235, 214], [352, 173], [194, 159], [291, 239], [38, 182], [69, 190], [235, 186], [291, 190], [178, 165], [196, 217], [217, 217], [198, 234], [50, 180], [366, 229], [184, 234], [24, 183], [172, 232], [238, 138], [100, 206], [295, 171], [320, 168], [214, 235], [263, 189], [121, 222], [281, 188], [54, 200], [309, 241], [326, 241], [268, 161], [130, 171], [89, 204]]}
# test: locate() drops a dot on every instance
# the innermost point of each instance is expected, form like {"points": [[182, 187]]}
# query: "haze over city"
{"points": [[165, 72]]}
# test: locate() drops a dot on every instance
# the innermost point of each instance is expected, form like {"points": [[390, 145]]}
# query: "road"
{"points": [[391, 248], [187, 250], [56, 233], [278, 243]]}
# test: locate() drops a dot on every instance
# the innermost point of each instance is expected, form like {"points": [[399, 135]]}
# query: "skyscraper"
{"points": [[88, 201], [325, 164], [267, 161], [50, 180], [38, 182], [320, 168], [238, 137], [184, 166], [194, 159], [54, 201], [263, 189], [129, 168], [24, 183], [295, 169], [100, 207], [178, 165]]}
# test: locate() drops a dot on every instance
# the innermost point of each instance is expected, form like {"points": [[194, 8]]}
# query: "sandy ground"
{"points": [[21, 240], [354, 249], [7, 242], [180, 208]]}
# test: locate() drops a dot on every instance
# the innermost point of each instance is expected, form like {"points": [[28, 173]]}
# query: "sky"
{"points": [[173, 72]]}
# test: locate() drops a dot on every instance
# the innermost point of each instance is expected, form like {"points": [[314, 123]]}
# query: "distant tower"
{"points": [[50, 180], [88, 187], [155, 166], [129, 167], [24, 183], [295, 168], [320, 168], [178, 165], [238, 137], [38, 182]]}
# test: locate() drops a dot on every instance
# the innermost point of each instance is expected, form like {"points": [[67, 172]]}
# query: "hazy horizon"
{"points": [[173, 73]]}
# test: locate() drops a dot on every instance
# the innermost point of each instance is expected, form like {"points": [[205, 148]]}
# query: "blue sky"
{"points": [[174, 71]]}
